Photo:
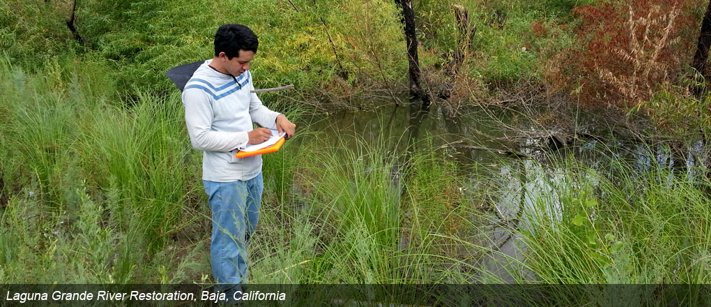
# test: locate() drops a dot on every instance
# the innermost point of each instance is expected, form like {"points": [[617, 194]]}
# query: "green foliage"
{"points": [[623, 229], [34, 31], [307, 45], [347, 222], [512, 40], [77, 158], [436, 23], [361, 216], [143, 39], [436, 193], [506, 57], [562, 8], [99, 183], [331, 51], [515, 41], [676, 112]]}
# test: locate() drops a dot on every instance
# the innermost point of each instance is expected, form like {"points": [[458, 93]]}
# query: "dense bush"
{"points": [[626, 50], [34, 31], [344, 52], [350, 44], [143, 39]]}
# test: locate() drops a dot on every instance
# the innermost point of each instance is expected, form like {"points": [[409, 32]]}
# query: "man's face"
{"points": [[237, 65]]}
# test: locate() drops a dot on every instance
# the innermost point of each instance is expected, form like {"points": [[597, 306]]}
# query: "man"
{"points": [[219, 112]]}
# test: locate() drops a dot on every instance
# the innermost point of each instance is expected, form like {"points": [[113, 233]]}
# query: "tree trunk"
{"points": [[702, 47], [465, 37], [72, 27], [462, 16], [408, 19]]}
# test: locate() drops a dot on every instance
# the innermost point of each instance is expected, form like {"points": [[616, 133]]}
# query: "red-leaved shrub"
{"points": [[626, 50]]}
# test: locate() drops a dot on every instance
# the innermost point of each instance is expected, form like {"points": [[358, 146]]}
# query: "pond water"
{"points": [[511, 150]]}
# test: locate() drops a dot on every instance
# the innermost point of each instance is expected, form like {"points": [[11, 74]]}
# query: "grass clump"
{"points": [[647, 229], [99, 188], [354, 220], [358, 206]]}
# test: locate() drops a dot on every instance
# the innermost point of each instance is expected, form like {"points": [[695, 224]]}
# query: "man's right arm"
{"points": [[198, 118]]}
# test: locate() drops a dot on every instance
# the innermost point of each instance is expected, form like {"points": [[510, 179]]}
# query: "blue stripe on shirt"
{"points": [[216, 89], [222, 87], [206, 90], [237, 86]]}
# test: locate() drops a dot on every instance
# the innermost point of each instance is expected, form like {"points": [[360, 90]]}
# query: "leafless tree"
{"points": [[408, 19], [702, 47]]}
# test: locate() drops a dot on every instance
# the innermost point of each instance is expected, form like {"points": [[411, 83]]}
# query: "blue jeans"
{"points": [[235, 213]]}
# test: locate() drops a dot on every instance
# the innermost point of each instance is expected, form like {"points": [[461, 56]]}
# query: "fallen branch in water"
{"points": [[273, 89], [460, 144]]}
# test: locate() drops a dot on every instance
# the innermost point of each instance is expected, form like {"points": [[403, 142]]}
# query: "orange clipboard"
{"points": [[273, 148]]}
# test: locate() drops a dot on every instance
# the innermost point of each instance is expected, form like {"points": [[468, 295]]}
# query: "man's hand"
{"points": [[258, 135], [284, 125]]}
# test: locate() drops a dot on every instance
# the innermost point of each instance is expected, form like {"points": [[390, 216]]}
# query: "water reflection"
{"points": [[529, 195], [527, 187]]}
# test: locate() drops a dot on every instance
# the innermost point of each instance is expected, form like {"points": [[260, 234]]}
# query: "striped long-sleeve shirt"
{"points": [[219, 111]]}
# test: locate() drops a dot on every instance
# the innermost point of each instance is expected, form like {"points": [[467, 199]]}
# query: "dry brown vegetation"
{"points": [[626, 51]]}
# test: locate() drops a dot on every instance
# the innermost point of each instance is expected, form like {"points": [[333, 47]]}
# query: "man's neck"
{"points": [[215, 64]]}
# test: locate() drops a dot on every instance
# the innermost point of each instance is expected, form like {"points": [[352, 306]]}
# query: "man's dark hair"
{"points": [[230, 38]]}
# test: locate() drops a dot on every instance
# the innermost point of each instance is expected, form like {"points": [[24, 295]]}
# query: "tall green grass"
{"points": [[354, 221], [101, 191], [96, 191], [93, 189], [624, 227], [359, 207]]}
